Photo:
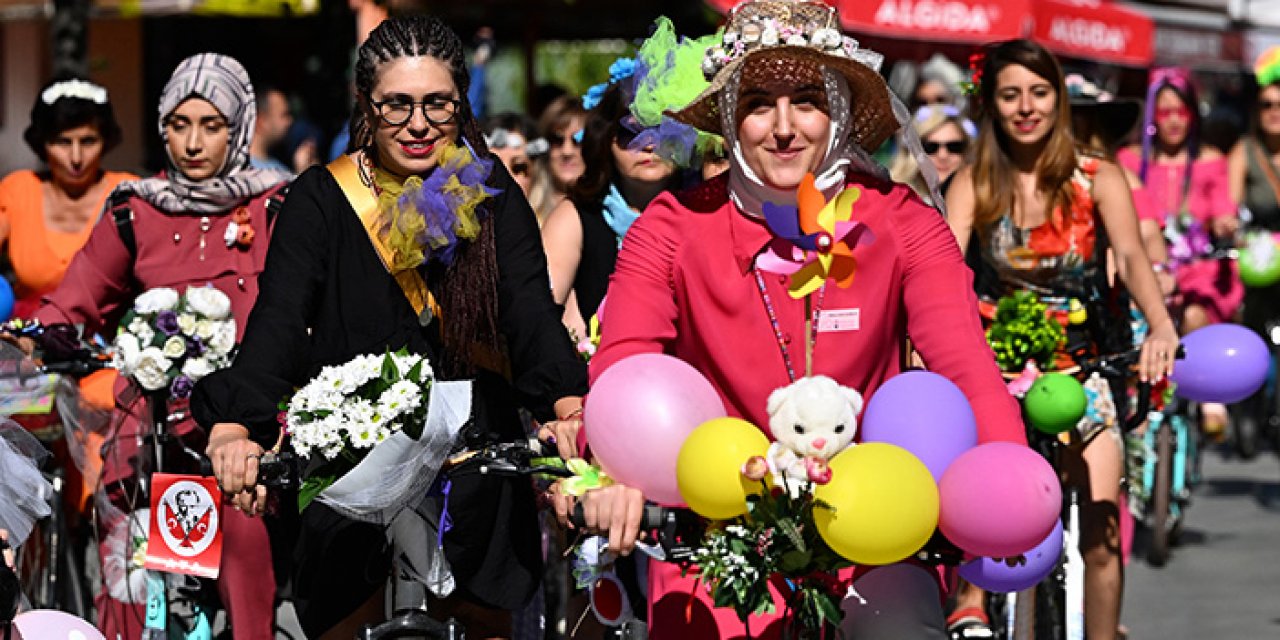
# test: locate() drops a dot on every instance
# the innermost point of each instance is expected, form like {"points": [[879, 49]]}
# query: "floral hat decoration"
{"points": [[1267, 68], [788, 36], [665, 74]]}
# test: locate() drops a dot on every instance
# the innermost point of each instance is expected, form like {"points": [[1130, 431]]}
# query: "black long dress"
{"points": [[326, 298], [599, 254]]}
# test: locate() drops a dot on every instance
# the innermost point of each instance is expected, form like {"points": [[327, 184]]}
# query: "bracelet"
{"points": [[575, 414]]}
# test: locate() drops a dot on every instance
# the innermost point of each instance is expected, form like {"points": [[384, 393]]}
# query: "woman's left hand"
{"points": [[1225, 226], [1158, 353]]}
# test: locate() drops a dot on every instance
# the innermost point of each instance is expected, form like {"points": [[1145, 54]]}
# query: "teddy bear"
{"points": [[811, 419]]}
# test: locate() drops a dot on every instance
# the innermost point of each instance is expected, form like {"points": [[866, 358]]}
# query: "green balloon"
{"points": [[1259, 265], [1055, 403]]}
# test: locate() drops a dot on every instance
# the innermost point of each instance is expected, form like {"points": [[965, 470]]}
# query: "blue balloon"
{"points": [[6, 300], [1224, 363], [925, 414], [995, 575]]}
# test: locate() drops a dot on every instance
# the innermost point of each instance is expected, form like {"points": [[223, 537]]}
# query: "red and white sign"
{"points": [[1095, 30], [185, 535], [943, 20]]}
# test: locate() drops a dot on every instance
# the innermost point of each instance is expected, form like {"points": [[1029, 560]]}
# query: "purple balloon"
{"points": [[47, 624], [925, 414], [1224, 363], [995, 575]]}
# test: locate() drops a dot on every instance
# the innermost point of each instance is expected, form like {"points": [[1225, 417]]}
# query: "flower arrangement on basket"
{"points": [[171, 340], [346, 410], [1023, 331]]}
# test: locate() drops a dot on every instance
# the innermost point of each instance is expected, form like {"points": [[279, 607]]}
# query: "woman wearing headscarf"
{"points": [[171, 230], [690, 282]]}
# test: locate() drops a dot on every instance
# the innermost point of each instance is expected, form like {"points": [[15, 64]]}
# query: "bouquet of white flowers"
{"points": [[171, 341], [346, 410]]}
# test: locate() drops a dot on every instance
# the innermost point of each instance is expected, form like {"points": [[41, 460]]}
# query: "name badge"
{"points": [[838, 320]]}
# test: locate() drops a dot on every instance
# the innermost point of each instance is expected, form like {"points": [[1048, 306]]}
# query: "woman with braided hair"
{"points": [[466, 286]]}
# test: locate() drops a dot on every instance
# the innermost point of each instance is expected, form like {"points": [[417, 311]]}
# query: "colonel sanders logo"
{"points": [[188, 518]]}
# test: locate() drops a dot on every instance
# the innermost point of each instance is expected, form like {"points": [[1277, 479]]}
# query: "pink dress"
{"points": [[684, 286], [99, 286], [1213, 284]]}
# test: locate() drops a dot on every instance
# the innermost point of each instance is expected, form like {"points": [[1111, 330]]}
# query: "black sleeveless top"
{"points": [[599, 253]]}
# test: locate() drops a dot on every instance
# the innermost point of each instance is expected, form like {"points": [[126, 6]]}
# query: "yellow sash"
{"points": [[347, 174]]}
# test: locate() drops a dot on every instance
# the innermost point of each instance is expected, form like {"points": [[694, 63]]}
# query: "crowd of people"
{"points": [[633, 215]]}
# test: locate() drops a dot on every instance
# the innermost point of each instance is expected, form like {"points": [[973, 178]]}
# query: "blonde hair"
{"points": [[928, 120]]}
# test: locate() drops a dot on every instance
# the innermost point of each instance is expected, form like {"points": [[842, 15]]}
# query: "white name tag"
{"points": [[840, 320]]}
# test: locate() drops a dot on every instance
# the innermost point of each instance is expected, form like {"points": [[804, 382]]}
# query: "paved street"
{"points": [[1223, 582]]}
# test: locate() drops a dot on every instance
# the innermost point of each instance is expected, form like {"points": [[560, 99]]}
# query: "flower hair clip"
{"points": [[973, 86], [621, 69], [74, 89]]}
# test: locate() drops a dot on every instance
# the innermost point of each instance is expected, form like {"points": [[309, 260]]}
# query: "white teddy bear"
{"points": [[811, 419]]}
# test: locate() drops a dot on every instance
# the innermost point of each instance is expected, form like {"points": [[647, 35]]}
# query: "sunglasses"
{"points": [[557, 140], [1170, 112], [955, 147], [520, 168], [1267, 105]]}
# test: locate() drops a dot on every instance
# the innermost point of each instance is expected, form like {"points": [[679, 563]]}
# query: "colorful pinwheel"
{"points": [[815, 240]]}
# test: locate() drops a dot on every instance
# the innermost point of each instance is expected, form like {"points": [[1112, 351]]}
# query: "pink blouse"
{"points": [[684, 285], [103, 279], [1209, 195]]}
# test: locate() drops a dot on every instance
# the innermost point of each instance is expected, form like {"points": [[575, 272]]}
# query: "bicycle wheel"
{"points": [[1161, 498], [1048, 602]]}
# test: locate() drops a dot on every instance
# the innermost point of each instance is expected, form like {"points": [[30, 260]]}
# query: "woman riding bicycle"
{"points": [[341, 283], [168, 231], [1189, 186], [1041, 211], [686, 285]]}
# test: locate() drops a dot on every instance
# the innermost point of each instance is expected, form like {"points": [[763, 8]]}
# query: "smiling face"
{"points": [[1026, 104], [783, 129], [1173, 118], [74, 157], [413, 147], [197, 136]]}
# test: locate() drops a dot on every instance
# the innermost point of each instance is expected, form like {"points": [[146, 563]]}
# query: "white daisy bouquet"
{"points": [[170, 340], [345, 411]]}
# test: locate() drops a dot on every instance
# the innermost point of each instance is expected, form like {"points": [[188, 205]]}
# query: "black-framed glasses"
{"points": [[436, 110], [954, 147]]}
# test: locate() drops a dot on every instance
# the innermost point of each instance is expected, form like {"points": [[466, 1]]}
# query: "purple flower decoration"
{"points": [[195, 347], [181, 387], [167, 322]]}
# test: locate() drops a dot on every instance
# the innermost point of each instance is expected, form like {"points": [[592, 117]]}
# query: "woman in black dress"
{"points": [[340, 282]]}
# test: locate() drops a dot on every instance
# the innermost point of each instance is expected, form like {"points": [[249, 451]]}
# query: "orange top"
{"points": [[40, 255]]}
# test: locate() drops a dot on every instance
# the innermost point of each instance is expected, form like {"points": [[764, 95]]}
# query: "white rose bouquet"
{"points": [[170, 341], [346, 410]]}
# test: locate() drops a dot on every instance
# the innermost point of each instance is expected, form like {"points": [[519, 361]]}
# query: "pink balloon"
{"points": [[47, 624], [999, 499], [638, 414]]}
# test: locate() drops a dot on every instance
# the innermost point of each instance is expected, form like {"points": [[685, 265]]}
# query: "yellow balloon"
{"points": [[709, 468], [885, 500]]}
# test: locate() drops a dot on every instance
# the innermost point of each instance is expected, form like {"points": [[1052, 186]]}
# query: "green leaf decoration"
{"points": [[311, 487]]}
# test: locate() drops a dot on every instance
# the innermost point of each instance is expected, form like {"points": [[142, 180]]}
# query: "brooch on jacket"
{"points": [[239, 231]]}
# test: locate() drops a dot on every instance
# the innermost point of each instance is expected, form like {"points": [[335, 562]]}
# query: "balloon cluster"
{"points": [[654, 423]]}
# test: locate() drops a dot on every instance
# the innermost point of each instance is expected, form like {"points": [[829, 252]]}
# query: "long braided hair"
{"points": [[467, 289]]}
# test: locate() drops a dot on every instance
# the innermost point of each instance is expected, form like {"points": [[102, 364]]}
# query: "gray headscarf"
{"points": [[225, 84]]}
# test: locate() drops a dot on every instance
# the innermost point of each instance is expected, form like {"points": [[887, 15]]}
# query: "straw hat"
{"points": [[792, 37]]}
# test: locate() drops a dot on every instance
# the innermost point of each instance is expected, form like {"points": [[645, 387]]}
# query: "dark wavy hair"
{"points": [[468, 288], [50, 120], [601, 128]]}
